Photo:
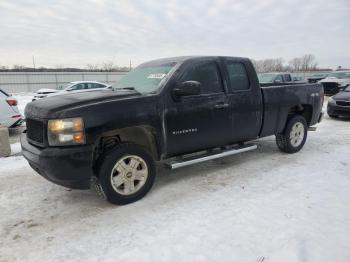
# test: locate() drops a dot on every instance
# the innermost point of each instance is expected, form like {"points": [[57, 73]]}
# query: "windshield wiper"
{"points": [[128, 88], [131, 88]]}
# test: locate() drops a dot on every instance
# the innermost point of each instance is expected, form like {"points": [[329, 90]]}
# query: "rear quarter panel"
{"points": [[279, 100]]}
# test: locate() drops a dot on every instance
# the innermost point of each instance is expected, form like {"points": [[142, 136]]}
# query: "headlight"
{"points": [[331, 101], [65, 132]]}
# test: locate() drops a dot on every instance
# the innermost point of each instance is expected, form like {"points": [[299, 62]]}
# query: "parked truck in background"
{"points": [[176, 111], [275, 78]]}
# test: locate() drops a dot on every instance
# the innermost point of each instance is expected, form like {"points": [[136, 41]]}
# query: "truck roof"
{"points": [[276, 73], [181, 59]]}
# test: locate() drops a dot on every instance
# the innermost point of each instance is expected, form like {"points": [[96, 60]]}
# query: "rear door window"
{"points": [[206, 73], [98, 85], [77, 87], [238, 76]]}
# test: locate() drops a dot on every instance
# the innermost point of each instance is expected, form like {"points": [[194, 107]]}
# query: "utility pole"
{"points": [[33, 63], [130, 65]]}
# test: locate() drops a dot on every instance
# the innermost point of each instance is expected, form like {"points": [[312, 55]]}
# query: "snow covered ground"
{"points": [[258, 206]]}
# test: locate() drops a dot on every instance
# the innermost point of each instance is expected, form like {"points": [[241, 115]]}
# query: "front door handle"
{"points": [[221, 105]]}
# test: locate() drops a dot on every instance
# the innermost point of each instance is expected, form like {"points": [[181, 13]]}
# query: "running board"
{"points": [[199, 159]]}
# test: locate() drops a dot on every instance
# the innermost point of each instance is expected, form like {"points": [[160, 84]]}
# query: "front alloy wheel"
{"points": [[127, 173]]}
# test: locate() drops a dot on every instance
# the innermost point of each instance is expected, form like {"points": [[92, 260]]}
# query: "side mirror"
{"points": [[187, 88]]}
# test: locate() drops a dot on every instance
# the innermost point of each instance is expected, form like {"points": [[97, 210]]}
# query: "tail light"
{"points": [[11, 101]]}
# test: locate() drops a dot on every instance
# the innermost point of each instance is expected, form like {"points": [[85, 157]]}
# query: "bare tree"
{"points": [[308, 62], [295, 64], [108, 66], [269, 65], [18, 67], [92, 67], [305, 63], [4, 68]]}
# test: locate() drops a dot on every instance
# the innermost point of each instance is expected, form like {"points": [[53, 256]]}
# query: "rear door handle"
{"points": [[221, 105]]}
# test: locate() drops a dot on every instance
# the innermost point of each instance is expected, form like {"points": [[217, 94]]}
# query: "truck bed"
{"points": [[279, 99]]}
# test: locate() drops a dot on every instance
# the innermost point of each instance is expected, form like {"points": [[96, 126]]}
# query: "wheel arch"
{"points": [[304, 110], [143, 135]]}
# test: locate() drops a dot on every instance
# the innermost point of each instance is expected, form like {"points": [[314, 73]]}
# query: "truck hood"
{"points": [[51, 106], [62, 92]]}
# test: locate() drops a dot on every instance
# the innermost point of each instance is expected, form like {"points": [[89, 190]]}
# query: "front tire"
{"points": [[294, 135], [127, 174]]}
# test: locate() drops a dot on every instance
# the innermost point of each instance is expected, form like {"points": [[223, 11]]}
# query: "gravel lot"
{"points": [[258, 206]]}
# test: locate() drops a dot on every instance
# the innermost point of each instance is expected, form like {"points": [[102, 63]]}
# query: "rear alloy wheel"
{"points": [[127, 174], [294, 136]]}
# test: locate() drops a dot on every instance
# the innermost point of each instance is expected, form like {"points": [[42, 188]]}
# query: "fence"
{"points": [[17, 82]]}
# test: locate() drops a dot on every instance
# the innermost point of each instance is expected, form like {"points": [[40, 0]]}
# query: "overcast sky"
{"points": [[76, 33]]}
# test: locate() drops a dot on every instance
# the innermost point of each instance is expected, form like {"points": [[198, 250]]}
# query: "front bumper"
{"points": [[69, 167], [333, 109]]}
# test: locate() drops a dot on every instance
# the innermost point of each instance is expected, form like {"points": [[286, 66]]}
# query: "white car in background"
{"points": [[70, 87], [9, 114], [335, 82]]}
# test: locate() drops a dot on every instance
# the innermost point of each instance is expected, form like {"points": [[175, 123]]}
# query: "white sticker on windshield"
{"points": [[156, 76]]}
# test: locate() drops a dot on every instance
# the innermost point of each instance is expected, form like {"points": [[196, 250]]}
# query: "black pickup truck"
{"points": [[176, 111]]}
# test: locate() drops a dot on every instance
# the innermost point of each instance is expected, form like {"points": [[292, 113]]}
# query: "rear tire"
{"points": [[294, 135], [126, 174]]}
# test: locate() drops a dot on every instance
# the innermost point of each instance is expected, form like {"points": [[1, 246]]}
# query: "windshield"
{"points": [[266, 78], [145, 78], [347, 88], [340, 74]]}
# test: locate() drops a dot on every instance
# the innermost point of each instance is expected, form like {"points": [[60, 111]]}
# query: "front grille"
{"points": [[343, 103], [35, 130], [330, 88]]}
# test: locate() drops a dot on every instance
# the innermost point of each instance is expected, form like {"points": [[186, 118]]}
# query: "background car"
{"points": [[70, 87], [339, 104], [335, 82], [317, 77], [9, 114]]}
